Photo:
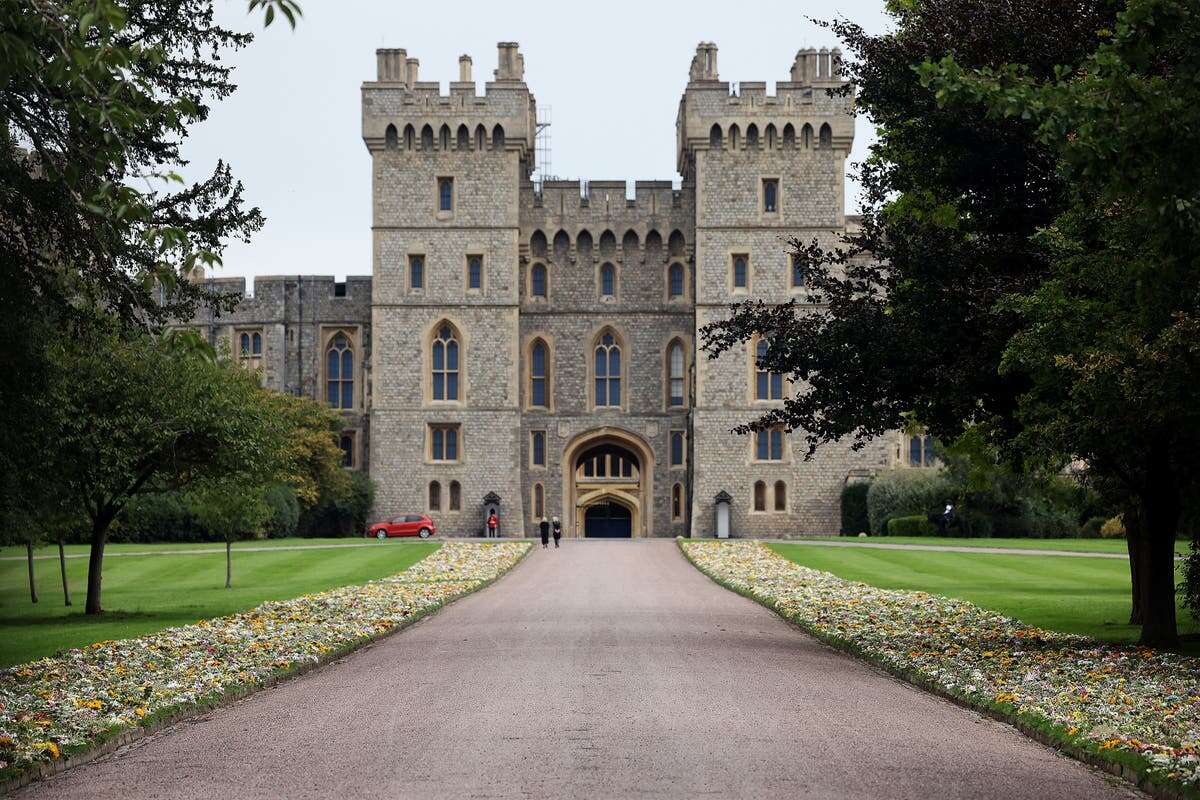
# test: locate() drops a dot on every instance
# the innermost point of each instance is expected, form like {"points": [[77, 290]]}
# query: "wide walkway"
{"points": [[602, 670]]}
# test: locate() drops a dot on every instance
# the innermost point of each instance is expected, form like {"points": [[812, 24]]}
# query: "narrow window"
{"points": [[244, 342], [444, 137], [455, 496], [435, 496], [475, 273], [677, 448], [797, 272], [443, 442], [826, 136], [608, 280], [675, 368], [714, 137], [463, 139], [538, 374], [770, 195], [677, 502], [537, 448], [427, 138], [608, 371], [416, 272], [346, 442], [780, 496], [929, 459], [445, 194], [339, 373], [767, 385], [537, 281], [675, 281], [760, 496], [539, 501], [741, 272], [752, 137], [391, 139], [256, 344], [445, 363]]}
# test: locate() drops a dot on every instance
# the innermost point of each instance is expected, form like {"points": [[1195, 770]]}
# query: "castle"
{"points": [[532, 347]]}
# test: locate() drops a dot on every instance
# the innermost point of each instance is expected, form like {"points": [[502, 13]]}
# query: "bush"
{"points": [[1040, 519], [162, 517], [973, 523], [906, 492], [341, 516], [854, 508], [1113, 529], [285, 512], [1091, 528], [911, 526]]}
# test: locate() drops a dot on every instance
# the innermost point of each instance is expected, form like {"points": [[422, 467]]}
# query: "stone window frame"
{"points": [[622, 342], [533, 434], [473, 253], [732, 287], [527, 370], [444, 214], [354, 334], [599, 271], [752, 382], [754, 509], [250, 360], [683, 452], [677, 501], [453, 497], [763, 214], [793, 287], [928, 458], [457, 427], [537, 298], [408, 271], [787, 497], [673, 261], [785, 447], [537, 496], [353, 452], [684, 341], [464, 348], [430, 505]]}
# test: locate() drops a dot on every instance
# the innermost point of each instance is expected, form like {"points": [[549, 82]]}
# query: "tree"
{"points": [[235, 509], [133, 415]]}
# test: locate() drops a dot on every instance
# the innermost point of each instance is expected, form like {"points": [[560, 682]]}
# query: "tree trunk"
{"points": [[32, 581], [1156, 556], [1133, 534], [62, 565], [228, 564], [96, 562]]}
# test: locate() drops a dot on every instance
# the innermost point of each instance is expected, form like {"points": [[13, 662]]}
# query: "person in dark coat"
{"points": [[557, 526], [545, 528]]}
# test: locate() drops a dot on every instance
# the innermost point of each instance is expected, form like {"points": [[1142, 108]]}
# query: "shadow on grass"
{"points": [[80, 618]]}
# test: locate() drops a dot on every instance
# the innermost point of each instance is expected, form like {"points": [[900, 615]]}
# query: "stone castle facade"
{"points": [[533, 347]]}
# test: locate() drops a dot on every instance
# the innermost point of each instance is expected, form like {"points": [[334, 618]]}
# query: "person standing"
{"points": [[545, 529], [557, 531], [493, 524]]}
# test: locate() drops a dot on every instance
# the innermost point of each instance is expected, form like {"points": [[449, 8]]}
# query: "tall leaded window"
{"points": [[539, 374], [608, 280], [339, 372], [767, 385], [741, 271], [770, 189], [539, 501], [677, 448], [675, 281], [768, 445], [798, 279], [445, 363], [608, 371], [416, 272], [677, 501], [475, 272], [445, 193], [443, 442], [537, 448], [537, 280], [675, 372]]}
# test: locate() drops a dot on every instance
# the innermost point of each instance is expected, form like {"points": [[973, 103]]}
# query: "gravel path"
{"points": [[599, 670]]}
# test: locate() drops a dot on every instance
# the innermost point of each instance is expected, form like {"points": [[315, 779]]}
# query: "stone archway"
{"points": [[608, 472]]}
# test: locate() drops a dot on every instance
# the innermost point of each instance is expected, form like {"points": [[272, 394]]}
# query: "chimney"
{"points": [[824, 59], [464, 69], [798, 75], [510, 63], [389, 64], [810, 64], [835, 62], [413, 65]]}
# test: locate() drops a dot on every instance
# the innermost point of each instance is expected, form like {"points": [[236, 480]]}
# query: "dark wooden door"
{"points": [[608, 521]]}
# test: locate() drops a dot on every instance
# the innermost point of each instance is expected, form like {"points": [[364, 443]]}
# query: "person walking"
{"points": [[493, 524], [545, 528], [557, 531]]}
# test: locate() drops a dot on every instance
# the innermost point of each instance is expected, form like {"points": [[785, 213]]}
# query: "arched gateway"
{"points": [[608, 485]]}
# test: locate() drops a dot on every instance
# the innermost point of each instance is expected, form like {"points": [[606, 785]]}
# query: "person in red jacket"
{"points": [[493, 524]]}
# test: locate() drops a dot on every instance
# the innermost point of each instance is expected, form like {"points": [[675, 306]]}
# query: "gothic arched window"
{"points": [[539, 374], [391, 139], [714, 137], [826, 135], [435, 496], [608, 371], [676, 367], [445, 363], [339, 372]]}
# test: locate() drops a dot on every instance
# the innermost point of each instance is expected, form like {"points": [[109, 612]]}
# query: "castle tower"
{"points": [[446, 172], [766, 168]]}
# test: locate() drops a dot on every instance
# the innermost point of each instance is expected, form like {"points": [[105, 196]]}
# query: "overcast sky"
{"points": [[612, 74]]}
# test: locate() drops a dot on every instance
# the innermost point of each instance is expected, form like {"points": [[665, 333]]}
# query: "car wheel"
{"points": [[381, 535], [424, 533]]}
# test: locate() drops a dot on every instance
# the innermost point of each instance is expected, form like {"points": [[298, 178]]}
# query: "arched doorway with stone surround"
{"points": [[608, 479]]}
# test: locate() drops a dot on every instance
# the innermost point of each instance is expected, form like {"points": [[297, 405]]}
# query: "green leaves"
{"points": [[289, 9]]}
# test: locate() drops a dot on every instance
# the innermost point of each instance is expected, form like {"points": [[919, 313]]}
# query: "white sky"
{"points": [[612, 77]]}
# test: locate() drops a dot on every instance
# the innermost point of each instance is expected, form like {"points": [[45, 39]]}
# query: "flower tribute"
{"points": [[1102, 697], [71, 700]]}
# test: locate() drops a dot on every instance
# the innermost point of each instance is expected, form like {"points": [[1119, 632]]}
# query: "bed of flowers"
{"points": [[1122, 704], [77, 699]]}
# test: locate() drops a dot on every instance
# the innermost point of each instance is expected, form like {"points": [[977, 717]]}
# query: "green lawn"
{"points": [[1076, 595], [1078, 545], [143, 594], [256, 544]]}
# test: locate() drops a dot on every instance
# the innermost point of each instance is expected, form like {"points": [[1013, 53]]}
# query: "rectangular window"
{"points": [[443, 442], [445, 194], [474, 273], [537, 448], [677, 448], [770, 195], [416, 272], [768, 445], [741, 271], [797, 272]]}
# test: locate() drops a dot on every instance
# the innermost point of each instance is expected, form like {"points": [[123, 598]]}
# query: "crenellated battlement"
{"points": [[401, 112]]}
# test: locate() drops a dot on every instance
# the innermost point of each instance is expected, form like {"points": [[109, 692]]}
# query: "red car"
{"points": [[403, 525]]}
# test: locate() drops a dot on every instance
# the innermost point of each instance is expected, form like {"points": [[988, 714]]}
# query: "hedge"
{"points": [[854, 508], [906, 492], [911, 526]]}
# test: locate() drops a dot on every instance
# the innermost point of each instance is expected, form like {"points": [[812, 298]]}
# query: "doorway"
{"points": [[608, 520]]}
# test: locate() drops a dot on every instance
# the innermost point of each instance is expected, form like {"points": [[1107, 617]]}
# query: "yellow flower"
{"points": [[48, 747], [140, 711]]}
